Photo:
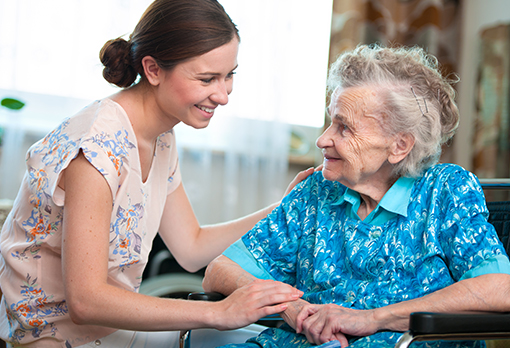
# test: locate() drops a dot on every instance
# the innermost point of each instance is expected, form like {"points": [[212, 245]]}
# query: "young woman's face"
{"points": [[191, 91]]}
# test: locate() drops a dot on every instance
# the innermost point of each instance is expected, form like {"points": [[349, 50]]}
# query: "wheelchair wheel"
{"points": [[171, 285]]}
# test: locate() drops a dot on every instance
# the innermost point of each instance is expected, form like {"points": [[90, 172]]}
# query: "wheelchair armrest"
{"points": [[206, 296], [425, 323], [426, 326]]}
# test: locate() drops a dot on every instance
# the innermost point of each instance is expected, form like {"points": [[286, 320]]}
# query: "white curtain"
{"points": [[280, 83], [236, 165]]}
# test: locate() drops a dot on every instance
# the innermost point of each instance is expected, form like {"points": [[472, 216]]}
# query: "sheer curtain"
{"points": [[280, 83], [236, 165]]}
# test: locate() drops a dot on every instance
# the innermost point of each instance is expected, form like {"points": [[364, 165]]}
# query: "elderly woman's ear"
{"points": [[401, 147]]}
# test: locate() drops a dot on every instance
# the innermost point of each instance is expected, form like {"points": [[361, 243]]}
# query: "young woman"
{"points": [[102, 184]]}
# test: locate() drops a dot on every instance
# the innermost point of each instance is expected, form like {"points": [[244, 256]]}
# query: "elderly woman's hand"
{"points": [[291, 313], [324, 323]]}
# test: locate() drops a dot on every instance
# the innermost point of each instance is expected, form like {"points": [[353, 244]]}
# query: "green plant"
{"points": [[12, 104]]}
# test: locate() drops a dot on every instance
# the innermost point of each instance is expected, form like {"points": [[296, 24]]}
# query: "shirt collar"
{"points": [[395, 200]]}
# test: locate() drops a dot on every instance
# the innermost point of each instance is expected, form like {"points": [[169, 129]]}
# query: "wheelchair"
{"points": [[426, 326]]}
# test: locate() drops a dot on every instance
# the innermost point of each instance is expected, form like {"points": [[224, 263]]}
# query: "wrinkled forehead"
{"points": [[357, 99]]}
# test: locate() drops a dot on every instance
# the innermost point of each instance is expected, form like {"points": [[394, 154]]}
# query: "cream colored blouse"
{"points": [[33, 310]]}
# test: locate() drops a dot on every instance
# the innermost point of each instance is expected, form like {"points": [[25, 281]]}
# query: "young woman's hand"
{"points": [[251, 302], [302, 175]]}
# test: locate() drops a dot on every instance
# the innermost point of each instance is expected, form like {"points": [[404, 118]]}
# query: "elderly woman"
{"points": [[383, 230]]}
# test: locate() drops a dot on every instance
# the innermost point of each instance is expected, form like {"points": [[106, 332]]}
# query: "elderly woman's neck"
{"points": [[371, 195]]}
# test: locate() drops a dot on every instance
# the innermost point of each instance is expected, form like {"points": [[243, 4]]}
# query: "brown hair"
{"points": [[170, 31]]}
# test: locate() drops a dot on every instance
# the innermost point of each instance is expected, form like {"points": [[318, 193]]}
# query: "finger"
{"points": [[319, 168], [274, 286], [305, 312], [329, 330], [302, 175], [268, 299], [340, 337], [270, 310], [306, 172], [312, 327], [262, 295]]}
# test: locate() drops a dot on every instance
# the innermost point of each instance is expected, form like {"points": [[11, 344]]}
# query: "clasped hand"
{"points": [[329, 322]]}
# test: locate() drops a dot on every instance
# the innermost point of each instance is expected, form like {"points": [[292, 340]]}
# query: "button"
{"points": [[97, 342]]}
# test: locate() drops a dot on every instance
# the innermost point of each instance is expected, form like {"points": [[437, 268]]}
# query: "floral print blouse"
{"points": [[312, 242], [33, 310]]}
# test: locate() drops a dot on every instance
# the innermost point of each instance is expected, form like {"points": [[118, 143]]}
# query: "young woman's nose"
{"points": [[220, 95]]}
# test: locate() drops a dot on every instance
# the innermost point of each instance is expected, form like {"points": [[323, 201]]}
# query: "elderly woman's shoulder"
{"points": [[445, 170], [316, 184], [449, 175], [316, 181]]}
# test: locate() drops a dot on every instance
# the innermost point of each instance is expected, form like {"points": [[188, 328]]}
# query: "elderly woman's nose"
{"points": [[324, 140]]}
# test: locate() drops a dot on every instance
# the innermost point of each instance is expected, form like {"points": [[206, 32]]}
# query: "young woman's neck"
{"points": [[140, 105]]}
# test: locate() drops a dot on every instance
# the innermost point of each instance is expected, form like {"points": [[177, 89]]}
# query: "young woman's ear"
{"points": [[401, 147], [152, 70]]}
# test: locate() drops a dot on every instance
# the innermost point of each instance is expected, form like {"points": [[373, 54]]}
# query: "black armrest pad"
{"points": [[443, 323], [206, 296]]}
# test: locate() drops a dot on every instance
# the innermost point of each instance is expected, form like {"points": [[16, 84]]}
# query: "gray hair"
{"points": [[414, 98]]}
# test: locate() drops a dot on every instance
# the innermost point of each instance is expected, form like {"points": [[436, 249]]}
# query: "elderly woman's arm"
{"points": [[323, 323], [225, 276]]}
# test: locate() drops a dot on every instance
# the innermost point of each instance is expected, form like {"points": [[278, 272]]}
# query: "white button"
{"points": [[98, 342]]}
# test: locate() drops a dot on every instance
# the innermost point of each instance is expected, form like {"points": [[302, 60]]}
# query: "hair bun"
{"points": [[116, 58]]}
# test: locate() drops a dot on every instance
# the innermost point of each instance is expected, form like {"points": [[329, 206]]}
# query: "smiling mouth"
{"points": [[331, 158], [206, 109]]}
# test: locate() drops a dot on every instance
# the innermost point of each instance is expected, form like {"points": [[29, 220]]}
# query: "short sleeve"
{"points": [[107, 152], [238, 253], [277, 241], [496, 264], [468, 240]]}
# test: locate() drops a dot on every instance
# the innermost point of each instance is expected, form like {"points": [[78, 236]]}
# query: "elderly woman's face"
{"points": [[354, 146]]}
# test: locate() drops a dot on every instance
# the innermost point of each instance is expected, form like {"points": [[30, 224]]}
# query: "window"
{"points": [[52, 47]]}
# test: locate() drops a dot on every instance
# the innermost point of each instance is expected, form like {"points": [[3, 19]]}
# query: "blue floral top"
{"points": [[315, 242]]}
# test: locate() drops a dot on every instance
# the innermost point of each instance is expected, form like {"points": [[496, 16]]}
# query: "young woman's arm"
{"points": [[92, 300], [194, 246]]}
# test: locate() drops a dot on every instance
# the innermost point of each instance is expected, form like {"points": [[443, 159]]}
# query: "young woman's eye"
{"points": [[230, 75], [207, 80]]}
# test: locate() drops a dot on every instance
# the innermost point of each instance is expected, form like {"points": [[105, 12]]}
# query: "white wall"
{"points": [[477, 15]]}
